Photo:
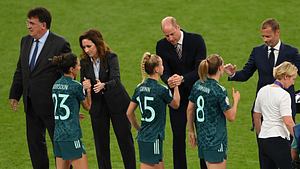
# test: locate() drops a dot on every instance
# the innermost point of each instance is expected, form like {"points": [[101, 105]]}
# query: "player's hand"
{"points": [[174, 80], [81, 116], [171, 82], [14, 104], [236, 95], [86, 83], [192, 139]]}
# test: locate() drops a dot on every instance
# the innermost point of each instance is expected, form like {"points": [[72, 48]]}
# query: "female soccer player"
{"points": [[208, 109], [67, 94], [152, 99]]}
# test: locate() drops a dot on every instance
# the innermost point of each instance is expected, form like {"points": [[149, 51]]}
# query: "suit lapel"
{"points": [[91, 70], [281, 55], [104, 69], [44, 51], [27, 49], [184, 42]]}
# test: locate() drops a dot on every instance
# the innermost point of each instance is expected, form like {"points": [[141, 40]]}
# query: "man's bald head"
{"points": [[171, 29]]}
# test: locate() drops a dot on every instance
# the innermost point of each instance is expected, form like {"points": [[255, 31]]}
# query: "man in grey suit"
{"points": [[34, 78]]}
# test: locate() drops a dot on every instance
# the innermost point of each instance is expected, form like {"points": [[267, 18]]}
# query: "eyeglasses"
{"points": [[31, 23]]}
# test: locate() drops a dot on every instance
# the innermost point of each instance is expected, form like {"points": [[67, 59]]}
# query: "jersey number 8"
{"points": [[200, 111]]}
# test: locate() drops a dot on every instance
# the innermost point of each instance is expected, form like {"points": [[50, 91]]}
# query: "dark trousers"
{"points": [[36, 125], [122, 129], [275, 152], [178, 124]]}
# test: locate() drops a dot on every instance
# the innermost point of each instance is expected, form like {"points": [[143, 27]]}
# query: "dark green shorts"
{"points": [[68, 150], [151, 152], [213, 155]]}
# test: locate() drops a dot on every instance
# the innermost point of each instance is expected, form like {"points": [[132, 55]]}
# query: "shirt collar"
{"points": [[43, 38], [276, 47], [96, 61], [181, 38]]}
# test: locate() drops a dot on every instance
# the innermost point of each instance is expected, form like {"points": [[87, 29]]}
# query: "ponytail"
{"points": [[145, 58], [209, 66], [203, 70], [148, 63]]}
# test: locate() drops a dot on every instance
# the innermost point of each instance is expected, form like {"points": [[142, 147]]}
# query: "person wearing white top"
{"points": [[273, 104]]}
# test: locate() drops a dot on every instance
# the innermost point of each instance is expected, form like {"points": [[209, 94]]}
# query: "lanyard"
{"points": [[278, 83]]}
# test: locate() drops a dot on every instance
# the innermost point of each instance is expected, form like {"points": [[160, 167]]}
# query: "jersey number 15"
{"points": [[145, 106]]}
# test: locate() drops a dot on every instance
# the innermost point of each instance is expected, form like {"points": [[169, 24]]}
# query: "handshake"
{"points": [[175, 80]]}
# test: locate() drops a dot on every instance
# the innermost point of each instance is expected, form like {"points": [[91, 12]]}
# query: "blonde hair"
{"points": [[148, 63], [284, 69], [209, 66]]}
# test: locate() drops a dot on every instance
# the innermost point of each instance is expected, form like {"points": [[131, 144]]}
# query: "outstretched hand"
{"points": [[230, 69]]}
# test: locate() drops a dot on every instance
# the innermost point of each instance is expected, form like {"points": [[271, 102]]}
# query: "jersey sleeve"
{"points": [[167, 95], [223, 100], [135, 95], [80, 92], [192, 96]]}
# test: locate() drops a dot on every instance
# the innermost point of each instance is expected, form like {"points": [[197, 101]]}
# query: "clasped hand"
{"points": [[174, 80], [98, 86]]}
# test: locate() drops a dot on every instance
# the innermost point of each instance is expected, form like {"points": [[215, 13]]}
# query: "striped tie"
{"points": [[178, 50]]}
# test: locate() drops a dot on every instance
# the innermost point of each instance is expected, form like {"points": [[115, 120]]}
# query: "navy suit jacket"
{"points": [[258, 60], [193, 52], [38, 84]]}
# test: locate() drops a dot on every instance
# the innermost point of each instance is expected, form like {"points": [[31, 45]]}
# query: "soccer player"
{"points": [[152, 99], [67, 94], [208, 110]]}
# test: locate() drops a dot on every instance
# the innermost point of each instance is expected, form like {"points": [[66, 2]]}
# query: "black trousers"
{"points": [[36, 125], [275, 152], [122, 128], [178, 124]]}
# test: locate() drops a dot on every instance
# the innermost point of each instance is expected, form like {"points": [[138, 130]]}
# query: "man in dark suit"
{"points": [[265, 57], [34, 78], [181, 53]]}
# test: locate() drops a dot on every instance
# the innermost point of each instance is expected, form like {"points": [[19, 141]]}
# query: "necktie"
{"points": [[32, 61], [178, 50], [272, 57]]}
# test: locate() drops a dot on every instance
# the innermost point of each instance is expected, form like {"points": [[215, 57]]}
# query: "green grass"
{"points": [[230, 28]]}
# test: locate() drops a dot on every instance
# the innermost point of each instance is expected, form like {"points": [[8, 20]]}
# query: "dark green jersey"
{"points": [[211, 102], [152, 99], [67, 95]]}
